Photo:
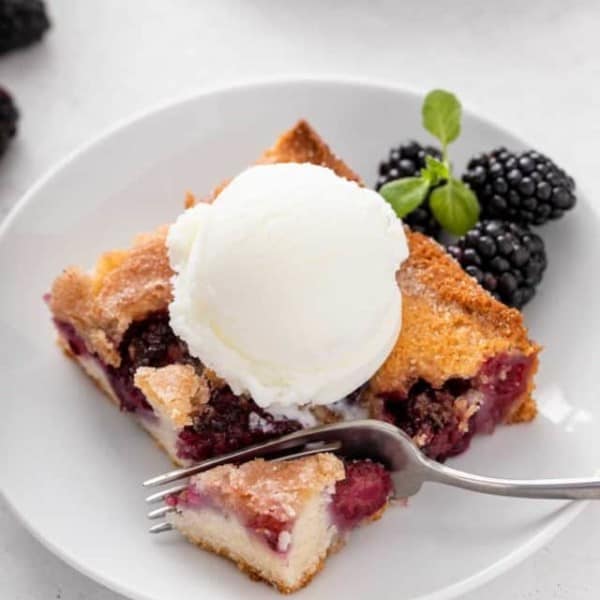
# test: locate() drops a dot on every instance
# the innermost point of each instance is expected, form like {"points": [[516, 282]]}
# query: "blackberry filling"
{"points": [[429, 417], [147, 343], [229, 422], [226, 423], [501, 379], [443, 421], [362, 494]]}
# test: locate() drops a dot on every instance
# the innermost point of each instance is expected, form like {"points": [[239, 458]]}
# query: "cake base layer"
{"points": [[312, 539]]}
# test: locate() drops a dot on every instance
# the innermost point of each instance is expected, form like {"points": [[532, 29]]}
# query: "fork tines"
{"points": [[284, 448], [276, 449]]}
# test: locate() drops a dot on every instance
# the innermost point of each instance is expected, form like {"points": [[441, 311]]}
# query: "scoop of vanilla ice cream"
{"points": [[285, 286]]}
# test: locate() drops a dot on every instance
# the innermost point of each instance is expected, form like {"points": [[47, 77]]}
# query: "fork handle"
{"points": [[557, 489]]}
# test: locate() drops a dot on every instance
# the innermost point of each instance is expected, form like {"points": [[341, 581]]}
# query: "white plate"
{"points": [[71, 465]]}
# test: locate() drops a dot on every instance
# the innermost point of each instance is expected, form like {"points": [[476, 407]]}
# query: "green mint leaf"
{"points": [[405, 194], [441, 116], [454, 206], [435, 170]]}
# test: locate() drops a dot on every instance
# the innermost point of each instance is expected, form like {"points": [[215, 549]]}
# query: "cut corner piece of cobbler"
{"points": [[278, 521]]}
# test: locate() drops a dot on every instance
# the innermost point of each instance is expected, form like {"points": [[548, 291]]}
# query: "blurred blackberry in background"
{"points": [[407, 160], [507, 259], [8, 119], [22, 22], [526, 188]]}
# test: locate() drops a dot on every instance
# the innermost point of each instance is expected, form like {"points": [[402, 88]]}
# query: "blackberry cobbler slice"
{"points": [[462, 364]]}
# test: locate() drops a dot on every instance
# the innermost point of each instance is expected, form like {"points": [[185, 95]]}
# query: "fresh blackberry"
{"points": [[8, 119], [507, 259], [407, 160], [22, 22], [524, 187]]}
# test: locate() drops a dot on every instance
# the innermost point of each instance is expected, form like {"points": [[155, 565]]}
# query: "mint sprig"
{"points": [[454, 206], [405, 194], [435, 170], [441, 116], [452, 202]]}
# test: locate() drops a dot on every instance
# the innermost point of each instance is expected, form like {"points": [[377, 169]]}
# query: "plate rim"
{"points": [[561, 518]]}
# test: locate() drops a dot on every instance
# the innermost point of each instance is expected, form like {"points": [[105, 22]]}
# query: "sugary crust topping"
{"points": [[274, 489], [125, 286], [302, 144], [174, 391], [450, 325], [72, 301]]}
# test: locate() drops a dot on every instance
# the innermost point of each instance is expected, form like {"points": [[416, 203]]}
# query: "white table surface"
{"points": [[530, 65]]}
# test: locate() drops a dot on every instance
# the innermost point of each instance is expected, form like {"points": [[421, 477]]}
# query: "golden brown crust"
{"points": [[276, 489], [174, 391], [526, 410], [450, 325], [125, 286], [302, 144]]}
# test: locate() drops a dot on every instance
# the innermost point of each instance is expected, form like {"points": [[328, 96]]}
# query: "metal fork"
{"points": [[382, 442]]}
